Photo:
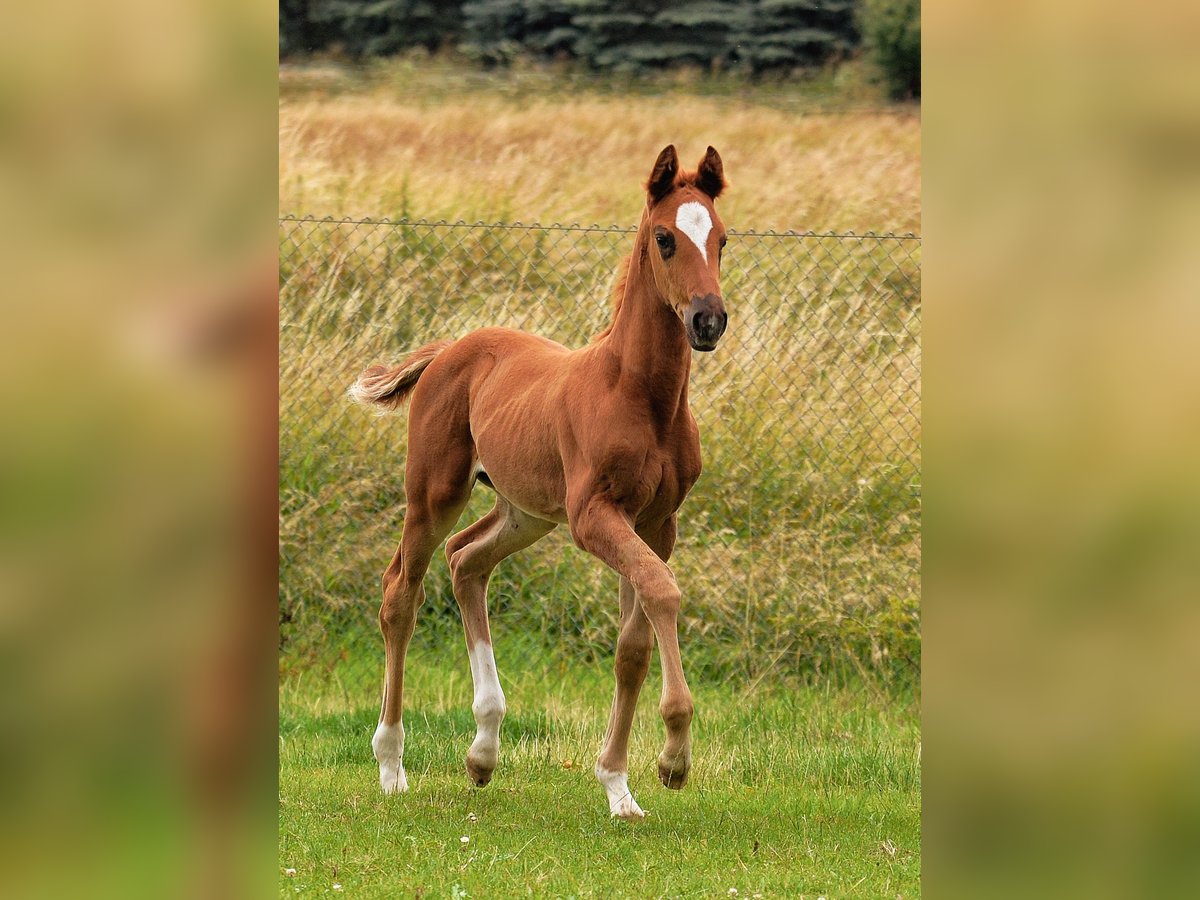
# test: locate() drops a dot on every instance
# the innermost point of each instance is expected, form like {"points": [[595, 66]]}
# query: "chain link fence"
{"points": [[799, 548]]}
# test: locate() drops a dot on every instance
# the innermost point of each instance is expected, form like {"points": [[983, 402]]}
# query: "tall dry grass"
{"points": [[799, 548], [394, 147]]}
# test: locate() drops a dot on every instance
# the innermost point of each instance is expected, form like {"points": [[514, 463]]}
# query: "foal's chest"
{"points": [[669, 473]]}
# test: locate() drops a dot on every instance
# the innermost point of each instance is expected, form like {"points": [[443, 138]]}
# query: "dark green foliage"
{"points": [[299, 32], [636, 34], [776, 34], [632, 35], [650, 35], [361, 28], [892, 34], [497, 31]]}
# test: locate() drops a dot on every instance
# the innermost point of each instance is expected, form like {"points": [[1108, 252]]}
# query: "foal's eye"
{"points": [[666, 243], [724, 241]]}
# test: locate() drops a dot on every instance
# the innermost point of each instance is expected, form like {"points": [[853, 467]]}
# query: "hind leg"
{"points": [[473, 553], [435, 500]]}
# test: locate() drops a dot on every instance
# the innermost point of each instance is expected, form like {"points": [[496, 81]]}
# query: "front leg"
{"points": [[634, 644], [607, 533]]}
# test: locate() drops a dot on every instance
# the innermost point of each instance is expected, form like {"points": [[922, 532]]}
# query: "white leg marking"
{"points": [[620, 800], [693, 220], [388, 744], [488, 707]]}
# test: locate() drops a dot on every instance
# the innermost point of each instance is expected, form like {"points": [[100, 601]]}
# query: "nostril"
{"points": [[698, 323]]}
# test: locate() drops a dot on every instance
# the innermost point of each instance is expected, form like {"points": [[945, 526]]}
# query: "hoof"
{"points": [[388, 747], [479, 775], [673, 776], [392, 779], [621, 804], [627, 810]]}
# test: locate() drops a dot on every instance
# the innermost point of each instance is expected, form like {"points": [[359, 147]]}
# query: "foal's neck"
{"points": [[648, 338]]}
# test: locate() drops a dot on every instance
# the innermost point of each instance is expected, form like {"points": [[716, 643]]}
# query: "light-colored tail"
{"points": [[389, 388]]}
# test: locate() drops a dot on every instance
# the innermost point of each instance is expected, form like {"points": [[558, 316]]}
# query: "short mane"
{"points": [[689, 179], [618, 295]]}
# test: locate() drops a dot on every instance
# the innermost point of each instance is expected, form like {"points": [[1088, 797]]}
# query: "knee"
{"points": [[662, 598]]}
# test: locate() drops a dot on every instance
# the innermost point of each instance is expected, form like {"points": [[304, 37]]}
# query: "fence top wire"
{"points": [[605, 229]]}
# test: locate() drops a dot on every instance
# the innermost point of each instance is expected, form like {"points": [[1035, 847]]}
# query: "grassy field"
{"points": [[809, 412], [796, 791], [435, 141], [799, 547], [818, 376]]}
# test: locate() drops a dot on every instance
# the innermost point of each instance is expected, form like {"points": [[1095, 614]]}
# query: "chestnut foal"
{"points": [[599, 438]]}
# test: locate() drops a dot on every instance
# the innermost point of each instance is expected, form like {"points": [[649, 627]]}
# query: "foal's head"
{"points": [[686, 238]]}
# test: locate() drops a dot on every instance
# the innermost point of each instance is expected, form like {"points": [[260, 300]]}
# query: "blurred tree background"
{"points": [[754, 37]]}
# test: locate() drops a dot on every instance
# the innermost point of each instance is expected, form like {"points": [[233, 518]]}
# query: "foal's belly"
{"points": [[529, 497], [529, 477]]}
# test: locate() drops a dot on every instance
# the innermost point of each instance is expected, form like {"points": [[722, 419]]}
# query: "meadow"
{"points": [[435, 142], [807, 791], [799, 548]]}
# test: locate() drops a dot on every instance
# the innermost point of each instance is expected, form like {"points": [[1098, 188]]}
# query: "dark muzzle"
{"points": [[705, 322]]}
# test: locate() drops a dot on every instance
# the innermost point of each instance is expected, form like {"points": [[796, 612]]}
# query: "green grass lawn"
{"points": [[796, 790]]}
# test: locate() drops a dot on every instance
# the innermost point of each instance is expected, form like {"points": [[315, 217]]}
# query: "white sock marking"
{"points": [[693, 220], [488, 706], [620, 800], [388, 746]]}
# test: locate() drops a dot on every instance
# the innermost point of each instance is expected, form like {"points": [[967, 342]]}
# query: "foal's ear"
{"points": [[662, 176], [710, 176]]}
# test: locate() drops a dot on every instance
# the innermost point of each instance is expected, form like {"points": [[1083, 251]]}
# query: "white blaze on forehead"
{"points": [[693, 220]]}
